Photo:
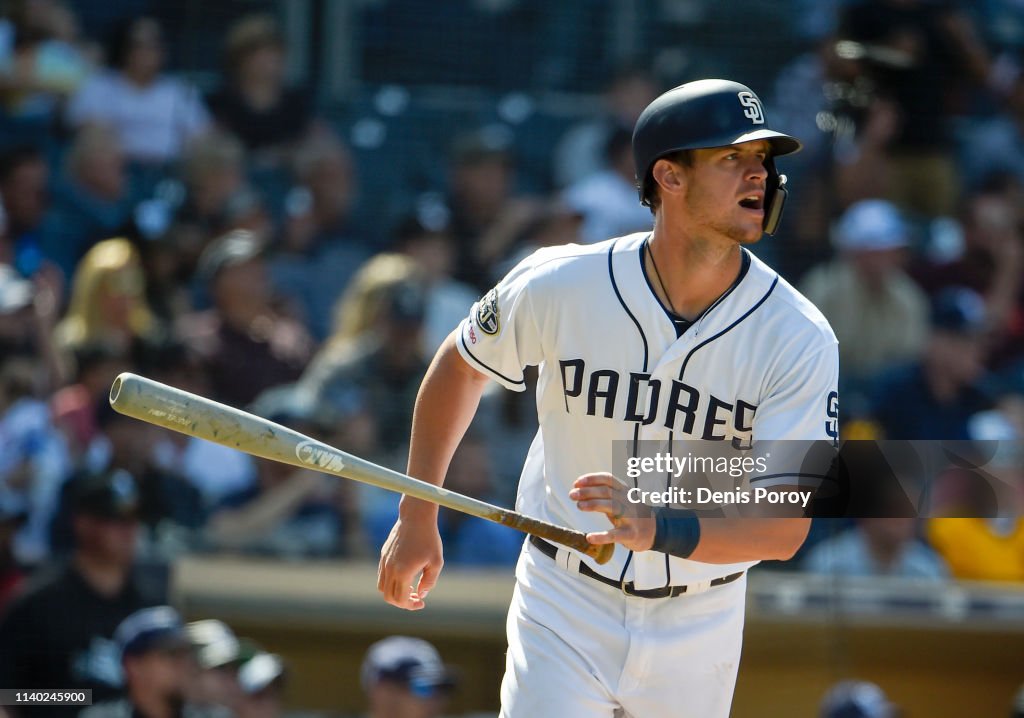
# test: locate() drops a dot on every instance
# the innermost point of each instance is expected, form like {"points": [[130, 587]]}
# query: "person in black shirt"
{"points": [[59, 632], [256, 105]]}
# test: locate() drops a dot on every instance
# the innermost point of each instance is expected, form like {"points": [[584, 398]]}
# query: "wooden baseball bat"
{"points": [[203, 418]]}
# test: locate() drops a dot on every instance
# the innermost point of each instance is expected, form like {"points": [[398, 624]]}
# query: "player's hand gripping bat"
{"points": [[187, 413]]}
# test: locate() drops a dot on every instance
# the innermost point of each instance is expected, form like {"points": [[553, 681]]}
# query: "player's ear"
{"points": [[669, 176]]}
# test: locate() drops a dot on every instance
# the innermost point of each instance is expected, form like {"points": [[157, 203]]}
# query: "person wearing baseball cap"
{"points": [[262, 679], [404, 677], [218, 653], [879, 314], [156, 657], [245, 342], [44, 644], [936, 396]]}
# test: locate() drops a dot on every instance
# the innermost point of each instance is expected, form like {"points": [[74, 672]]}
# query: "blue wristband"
{"points": [[676, 531]]}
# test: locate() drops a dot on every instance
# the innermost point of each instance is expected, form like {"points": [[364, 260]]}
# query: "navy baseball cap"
{"points": [[411, 662], [151, 629], [959, 310], [857, 699], [407, 303], [110, 495]]}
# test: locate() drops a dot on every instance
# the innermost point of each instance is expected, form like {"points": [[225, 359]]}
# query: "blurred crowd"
{"points": [[222, 239]]}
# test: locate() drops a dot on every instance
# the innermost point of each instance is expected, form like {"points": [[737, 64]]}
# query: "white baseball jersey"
{"points": [[761, 363]]}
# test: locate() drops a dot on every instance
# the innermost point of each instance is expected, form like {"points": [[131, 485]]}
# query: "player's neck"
{"points": [[695, 272]]}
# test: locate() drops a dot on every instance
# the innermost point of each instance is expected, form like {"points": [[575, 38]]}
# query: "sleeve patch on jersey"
{"points": [[488, 318]]}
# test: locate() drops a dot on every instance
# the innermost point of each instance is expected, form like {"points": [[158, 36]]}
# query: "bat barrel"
{"points": [[202, 418]]}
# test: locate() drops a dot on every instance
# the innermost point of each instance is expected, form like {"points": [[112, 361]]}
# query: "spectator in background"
{"points": [[487, 216], [156, 659], [24, 190], [428, 242], [96, 365], [108, 300], [34, 459], [557, 222], [41, 62], [319, 249], [473, 541], [28, 314], [214, 173], [245, 343], [996, 145], [153, 115], [360, 309], [878, 313], [581, 151], [45, 644], [876, 547], [263, 679], [801, 103], [91, 201], [218, 653], [935, 397], [321, 204], [169, 259], [170, 509], [213, 470], [470, 541], [404, 678], [380, 368], [607, 199], [914, 53], [287, 512], [991, 263], [255, 104]]}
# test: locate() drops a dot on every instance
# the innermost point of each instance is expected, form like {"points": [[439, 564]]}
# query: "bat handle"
{"points": [[567, 537]]}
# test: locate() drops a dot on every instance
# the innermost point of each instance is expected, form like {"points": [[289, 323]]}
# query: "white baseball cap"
{"points": [[871, 225], [260, 671]]}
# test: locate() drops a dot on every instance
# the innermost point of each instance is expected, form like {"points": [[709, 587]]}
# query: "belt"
{"points": [[551, 551]]}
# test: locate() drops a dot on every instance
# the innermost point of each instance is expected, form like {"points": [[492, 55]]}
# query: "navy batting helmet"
{"points": [[704, 114]]}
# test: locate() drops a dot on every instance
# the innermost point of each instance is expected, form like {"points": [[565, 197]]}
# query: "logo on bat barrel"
{"points": [[314, 454], [487, 316]]}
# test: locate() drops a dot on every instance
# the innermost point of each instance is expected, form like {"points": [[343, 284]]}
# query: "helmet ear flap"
{"points": [[774, 198]]}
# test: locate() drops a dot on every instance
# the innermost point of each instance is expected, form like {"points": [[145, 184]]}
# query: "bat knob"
{"points": [[602, 554]]}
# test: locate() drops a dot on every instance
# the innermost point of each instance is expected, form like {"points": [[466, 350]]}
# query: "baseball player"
{"points": [[679, 332]]}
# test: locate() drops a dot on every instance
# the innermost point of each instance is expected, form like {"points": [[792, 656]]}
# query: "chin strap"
{"points": [[774, 198]]}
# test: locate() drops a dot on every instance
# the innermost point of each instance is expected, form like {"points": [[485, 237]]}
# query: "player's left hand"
{"points": [[633, 524]]}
